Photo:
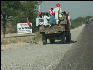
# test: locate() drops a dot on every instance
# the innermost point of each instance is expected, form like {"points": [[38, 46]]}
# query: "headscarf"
{"points": [[58, 5], [39, 13], [51, 12]]}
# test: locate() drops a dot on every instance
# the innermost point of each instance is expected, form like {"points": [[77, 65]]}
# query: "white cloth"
{"points": [[57, 21], [45, 20], [69, 18], [57, 14]]}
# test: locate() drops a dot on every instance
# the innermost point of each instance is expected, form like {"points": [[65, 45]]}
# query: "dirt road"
{"points": [[36, 56], [80, 57]]}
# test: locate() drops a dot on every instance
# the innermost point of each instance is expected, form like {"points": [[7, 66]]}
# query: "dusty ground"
{"points": [[36, 56]]}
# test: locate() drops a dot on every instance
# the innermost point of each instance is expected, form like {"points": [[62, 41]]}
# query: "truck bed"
{"points": [[52, 29]]}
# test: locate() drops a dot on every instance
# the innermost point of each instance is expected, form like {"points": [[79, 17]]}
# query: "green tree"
{"points": [[19, 10], [29, 11], [8, 8]]}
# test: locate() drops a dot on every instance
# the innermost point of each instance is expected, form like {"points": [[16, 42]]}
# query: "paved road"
{"points": [[80, 57]]}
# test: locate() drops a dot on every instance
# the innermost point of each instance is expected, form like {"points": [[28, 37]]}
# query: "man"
{"points": [[51, 11], [46, 18], [67, 27], [69, 18], [52, 19], [57, 12], [39, 14]]}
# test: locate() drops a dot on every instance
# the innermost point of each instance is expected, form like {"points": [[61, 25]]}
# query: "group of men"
{"points": [[54, 15]]}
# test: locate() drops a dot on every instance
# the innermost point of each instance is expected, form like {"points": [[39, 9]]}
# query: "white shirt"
{"points": [[56, 12], [45, 20], [69, 20]]}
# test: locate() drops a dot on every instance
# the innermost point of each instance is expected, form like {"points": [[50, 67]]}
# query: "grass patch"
{"points": [[77, 22], [26, 39]]}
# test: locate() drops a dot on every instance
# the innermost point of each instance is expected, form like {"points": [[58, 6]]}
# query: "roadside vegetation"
{"points": [[35, 39], [13, 12], [79, 21]]}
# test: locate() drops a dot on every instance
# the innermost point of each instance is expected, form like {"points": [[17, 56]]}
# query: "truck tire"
{"points": [[68, 36], [44, 39], [52, 41], [63, 37]]}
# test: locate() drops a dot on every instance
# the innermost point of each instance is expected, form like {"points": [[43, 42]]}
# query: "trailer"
{"points": [[54, 32]]}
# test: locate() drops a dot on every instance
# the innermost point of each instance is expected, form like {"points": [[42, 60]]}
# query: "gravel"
{"points": [[36, 56]]}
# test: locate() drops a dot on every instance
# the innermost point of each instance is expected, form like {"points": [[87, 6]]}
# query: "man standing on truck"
{"points": [[57, 12]]}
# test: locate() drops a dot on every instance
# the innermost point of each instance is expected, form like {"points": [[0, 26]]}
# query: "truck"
{"points": [[53, 32]]}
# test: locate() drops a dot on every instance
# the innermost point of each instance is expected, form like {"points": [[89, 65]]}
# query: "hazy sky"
{"points": [[76, 8]]}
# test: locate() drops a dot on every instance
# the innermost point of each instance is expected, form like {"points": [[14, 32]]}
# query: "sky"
{"points": [[75, 8]]}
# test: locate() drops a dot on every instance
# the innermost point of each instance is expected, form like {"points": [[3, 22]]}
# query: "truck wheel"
{"points": [[63, 38], [68, 36], [44, 39], [52, 41]]}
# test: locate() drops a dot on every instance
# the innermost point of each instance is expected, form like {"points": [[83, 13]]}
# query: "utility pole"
{"points": [[39, 5], [39, 8]]}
